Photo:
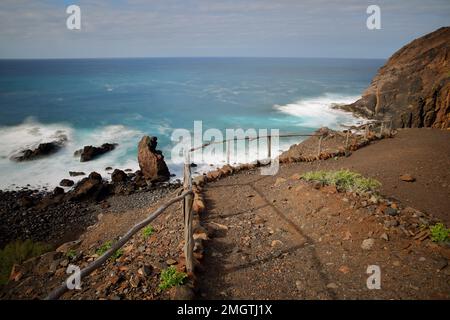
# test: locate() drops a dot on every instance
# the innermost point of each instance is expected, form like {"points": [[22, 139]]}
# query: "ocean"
{"points": [[94, 101]]}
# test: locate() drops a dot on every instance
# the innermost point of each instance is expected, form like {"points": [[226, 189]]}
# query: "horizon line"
{"points": [[192, 57]]}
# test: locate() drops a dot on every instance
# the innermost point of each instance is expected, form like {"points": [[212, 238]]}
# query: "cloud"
{"points": [[213, 27]]}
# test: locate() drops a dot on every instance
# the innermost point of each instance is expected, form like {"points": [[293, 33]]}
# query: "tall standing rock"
{"points": [[151, 161]]}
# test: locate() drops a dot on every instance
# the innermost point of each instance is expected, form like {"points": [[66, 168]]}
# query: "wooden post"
{"points": [[187, 213], [382, 129], [346, 140], [269, 146], [366, 134], [390, 128], [228, 151], [319, 151]]}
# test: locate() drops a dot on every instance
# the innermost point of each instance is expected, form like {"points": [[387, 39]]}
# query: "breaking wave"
{"points": [[48, 171], [319, 112]]}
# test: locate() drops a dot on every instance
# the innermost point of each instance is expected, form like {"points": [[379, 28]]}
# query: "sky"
{"points": [[210, 28]]}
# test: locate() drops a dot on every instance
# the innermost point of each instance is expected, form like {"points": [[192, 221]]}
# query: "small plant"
{"points": [[17, 252], [148, 231], [71, 254], [117, 254], [170, 277], [439, 233], [344, 180], [105, 247]]}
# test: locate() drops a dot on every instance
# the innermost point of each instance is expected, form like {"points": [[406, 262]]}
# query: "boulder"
{"points": [[407, 178], [43, 149], [89, 153], [25, 201], [151, 161], [66, 247], [95, 176], [66, 183], [76, 173], [139, 179], [118, 176], [58, 191], [91, 187], [367, 244]]}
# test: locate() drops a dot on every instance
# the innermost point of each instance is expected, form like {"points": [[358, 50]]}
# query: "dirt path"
{"points": [[282, 239], [423, 153]]}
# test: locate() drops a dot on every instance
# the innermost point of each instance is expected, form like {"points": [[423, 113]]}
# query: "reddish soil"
{"points": [[134, 275], [286, 240], [279, 237]]}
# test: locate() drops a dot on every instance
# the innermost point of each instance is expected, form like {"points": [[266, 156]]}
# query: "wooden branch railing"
{"points": [[187, 207], [188, 217], [187, 196], [366, 127]]}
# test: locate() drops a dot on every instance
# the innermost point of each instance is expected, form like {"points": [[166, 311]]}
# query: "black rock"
{"points": [[391, 211], [91, 187], [58, 191], [118, 176], [66, 183], [76, 173], [95, 176], [44, 149], [89, 153]]}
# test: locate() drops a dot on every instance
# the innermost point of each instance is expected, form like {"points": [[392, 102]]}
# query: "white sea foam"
{"points": [[308, 113], [48, 171], [318, 112]]}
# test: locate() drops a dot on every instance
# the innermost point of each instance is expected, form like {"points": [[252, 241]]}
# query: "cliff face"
{"points": [[413, 87]]}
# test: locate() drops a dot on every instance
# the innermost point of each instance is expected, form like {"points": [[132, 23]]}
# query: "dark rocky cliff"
{"points": [[413, 87]]}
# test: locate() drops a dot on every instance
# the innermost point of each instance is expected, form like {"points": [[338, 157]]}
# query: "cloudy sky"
{"points": [[161, 28]]}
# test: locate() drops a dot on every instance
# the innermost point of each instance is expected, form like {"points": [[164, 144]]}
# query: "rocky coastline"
{"points": [[62, 214], [413, 88]]}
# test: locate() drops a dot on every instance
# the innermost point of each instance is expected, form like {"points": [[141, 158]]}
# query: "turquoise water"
{"points": [[118, 100]]}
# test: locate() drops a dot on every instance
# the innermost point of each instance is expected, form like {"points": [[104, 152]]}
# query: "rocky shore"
{"points": [[272, 223], [57, 216]]}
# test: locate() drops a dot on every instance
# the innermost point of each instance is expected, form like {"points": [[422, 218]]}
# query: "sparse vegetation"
{"points": [[105, 247], [147, 231], [71, 254], [439, 233], [344, 180], [170, 277], [17, 252]]}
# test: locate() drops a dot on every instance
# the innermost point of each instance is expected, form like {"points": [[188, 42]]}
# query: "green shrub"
{"points": [[147, 231], [105, 247], [439, 233], [71, 254], [117, 254], [17, 252], [345, 180], [170, 277]]}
